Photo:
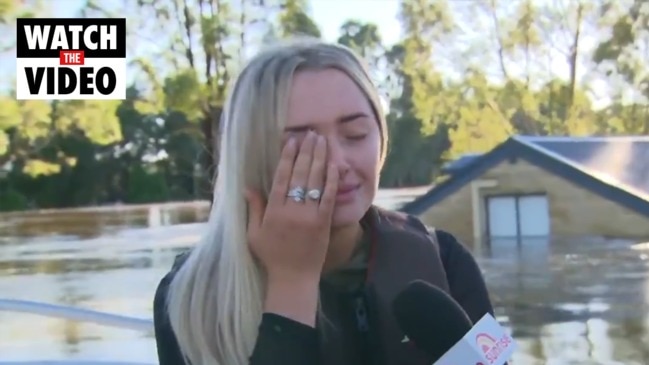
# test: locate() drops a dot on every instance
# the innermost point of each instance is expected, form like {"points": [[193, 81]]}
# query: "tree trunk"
{"points": [[210, 128]]}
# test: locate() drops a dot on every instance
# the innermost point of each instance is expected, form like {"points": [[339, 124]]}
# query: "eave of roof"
{"points": [[515, 147]]}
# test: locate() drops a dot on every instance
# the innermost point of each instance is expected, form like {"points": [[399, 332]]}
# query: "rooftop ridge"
{"points": [[531, 138], [606, 178]]}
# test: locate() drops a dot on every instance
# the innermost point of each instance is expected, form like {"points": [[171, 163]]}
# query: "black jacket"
{"points": [[284, 341]]}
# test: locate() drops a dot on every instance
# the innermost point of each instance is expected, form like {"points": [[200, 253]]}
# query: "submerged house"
{"points": [[544, 188]]}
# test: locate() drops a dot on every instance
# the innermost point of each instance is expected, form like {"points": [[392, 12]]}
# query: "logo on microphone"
{"points": [[491, 347], [485, 342]]}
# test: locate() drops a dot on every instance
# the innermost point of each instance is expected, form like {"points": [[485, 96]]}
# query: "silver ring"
{"points": [[297, 194], [314, 194]]}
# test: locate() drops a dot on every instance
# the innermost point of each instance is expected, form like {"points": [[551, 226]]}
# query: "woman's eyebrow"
{"points": [[342, 119]]}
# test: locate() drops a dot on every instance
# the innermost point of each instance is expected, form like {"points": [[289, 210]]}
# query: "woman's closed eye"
{"points": [[354, 134], [356, 137], [298, 135]]}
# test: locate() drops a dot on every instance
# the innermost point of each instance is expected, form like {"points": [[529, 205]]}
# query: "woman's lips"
{"points": [[346, 193]]}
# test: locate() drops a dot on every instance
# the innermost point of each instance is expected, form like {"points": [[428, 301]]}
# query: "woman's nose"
{"points": [[336, 154]]}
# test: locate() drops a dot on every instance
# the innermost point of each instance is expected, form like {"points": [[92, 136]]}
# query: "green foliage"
{"points": [[294, 20], [146, 187], [184, 93], [523, 70], [365, 39], [12, 200]]}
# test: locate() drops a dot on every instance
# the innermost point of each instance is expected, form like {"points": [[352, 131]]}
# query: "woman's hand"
{"points": [[291, 236]]}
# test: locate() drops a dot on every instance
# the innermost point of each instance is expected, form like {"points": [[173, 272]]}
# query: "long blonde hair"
{"points": [[215, 300]]}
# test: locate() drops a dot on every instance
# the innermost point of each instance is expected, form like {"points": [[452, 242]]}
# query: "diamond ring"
{"points": [[314, 194], [297, 194]]}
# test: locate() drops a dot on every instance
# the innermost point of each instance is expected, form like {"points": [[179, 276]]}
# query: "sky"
{"points": [[326, 13], [329, 15]]}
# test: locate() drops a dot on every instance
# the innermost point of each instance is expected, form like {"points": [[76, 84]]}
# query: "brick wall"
{"points": [[574, 212]]}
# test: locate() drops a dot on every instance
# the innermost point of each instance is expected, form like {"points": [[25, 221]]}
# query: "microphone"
{"points": [[437, 325]]}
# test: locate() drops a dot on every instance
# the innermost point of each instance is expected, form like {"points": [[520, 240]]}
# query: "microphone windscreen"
{"points": [[430, 318]]}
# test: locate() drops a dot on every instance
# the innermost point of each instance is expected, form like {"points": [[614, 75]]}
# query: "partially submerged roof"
{"points": [[616, 168], [625, 159], [460, 163]]}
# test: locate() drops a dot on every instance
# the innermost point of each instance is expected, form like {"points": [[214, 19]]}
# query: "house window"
{"points": [[516, 216]]}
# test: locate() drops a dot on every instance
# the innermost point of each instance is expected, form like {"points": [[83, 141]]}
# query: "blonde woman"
{"points": [[297, 266]]}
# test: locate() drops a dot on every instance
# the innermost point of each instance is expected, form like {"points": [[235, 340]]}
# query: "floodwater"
{"points": [[571, 302]]}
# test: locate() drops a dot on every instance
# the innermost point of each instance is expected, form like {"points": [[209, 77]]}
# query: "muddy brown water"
{"points": [[566, 302]]}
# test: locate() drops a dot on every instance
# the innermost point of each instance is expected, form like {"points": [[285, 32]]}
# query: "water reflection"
{"points": [[574, 300], [571, 301], [87, 223]]}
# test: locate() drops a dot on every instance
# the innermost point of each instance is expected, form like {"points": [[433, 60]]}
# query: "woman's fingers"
{"points": [[317, 172], [303, 164], [328, 200], [293, 237], [305, 167], [283, 174], [255, 209]]}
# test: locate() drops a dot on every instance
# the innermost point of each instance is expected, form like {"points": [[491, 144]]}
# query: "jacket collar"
{"points": [[402, 251]]}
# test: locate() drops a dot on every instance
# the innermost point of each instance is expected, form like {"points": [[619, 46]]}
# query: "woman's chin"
{"points": [[347, 214]]}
